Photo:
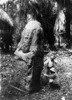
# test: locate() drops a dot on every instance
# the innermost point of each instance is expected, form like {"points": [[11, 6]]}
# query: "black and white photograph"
{"points": [[35, 49]]}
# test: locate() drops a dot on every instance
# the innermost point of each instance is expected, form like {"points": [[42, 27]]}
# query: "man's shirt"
{"points": [[32, 38]]}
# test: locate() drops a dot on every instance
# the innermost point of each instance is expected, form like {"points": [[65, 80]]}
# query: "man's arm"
{"points": [[23, 56], [37, 41], [33, 48]]}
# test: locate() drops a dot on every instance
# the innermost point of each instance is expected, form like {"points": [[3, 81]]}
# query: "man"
{"points": [[59, 28], [68, 5], [30, 49]]}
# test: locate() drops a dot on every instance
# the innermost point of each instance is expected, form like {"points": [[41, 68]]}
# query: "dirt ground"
{"points": [[12, 91]]}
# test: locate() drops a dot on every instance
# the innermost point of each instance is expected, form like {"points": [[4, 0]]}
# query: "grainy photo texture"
{"points": [[35, 49]]}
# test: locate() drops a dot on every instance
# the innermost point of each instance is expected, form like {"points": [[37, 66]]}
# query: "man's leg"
{"points": [[56, 40], [37, 69], [62, 41]]}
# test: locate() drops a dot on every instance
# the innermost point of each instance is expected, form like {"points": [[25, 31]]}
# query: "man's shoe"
{"points": [[34, 89]]}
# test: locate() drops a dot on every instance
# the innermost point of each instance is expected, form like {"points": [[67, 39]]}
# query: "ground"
{"points": [[61, 91]]}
